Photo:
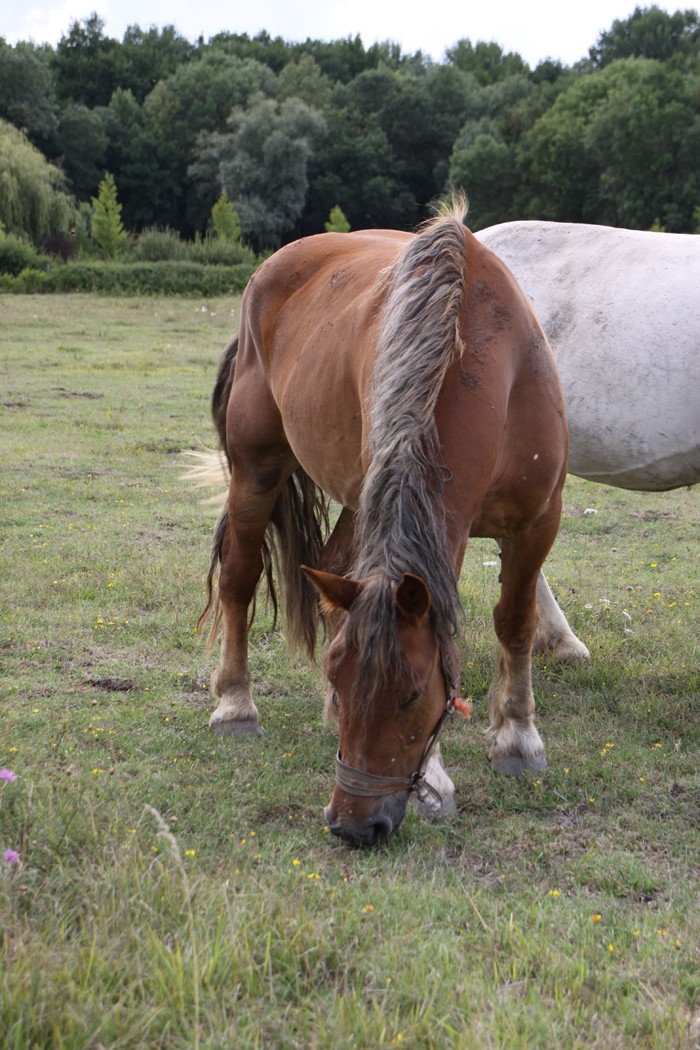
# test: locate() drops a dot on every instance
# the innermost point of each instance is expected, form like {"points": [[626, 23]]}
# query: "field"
{"points": [[165, 888]]}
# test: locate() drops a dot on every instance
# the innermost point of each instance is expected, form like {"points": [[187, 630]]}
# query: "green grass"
{"points": [[179, 890]]}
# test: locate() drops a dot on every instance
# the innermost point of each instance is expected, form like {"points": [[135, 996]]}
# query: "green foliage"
{"points": [[33, 198], [16, 255], [224, 217], [135, 278], [177, 123], [107, 228], [160, 245], [27, 92], [337, 223], [262, 163], [215, 251]]}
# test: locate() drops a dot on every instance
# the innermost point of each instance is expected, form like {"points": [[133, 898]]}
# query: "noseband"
{"points": [[367, 785]]}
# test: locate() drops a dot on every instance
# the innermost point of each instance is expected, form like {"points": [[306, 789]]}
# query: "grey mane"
{"points": [[400, 523]]}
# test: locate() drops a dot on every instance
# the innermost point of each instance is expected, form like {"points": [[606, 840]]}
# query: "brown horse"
{"points": [[407, 378]]}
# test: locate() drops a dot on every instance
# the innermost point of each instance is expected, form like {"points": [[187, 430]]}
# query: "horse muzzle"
{"points": [[357, 824]]}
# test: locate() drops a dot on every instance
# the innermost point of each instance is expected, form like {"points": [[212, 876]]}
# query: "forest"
{"points": [[290, 131]]}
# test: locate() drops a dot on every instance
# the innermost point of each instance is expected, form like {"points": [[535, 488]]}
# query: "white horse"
{"points": [[621, 310]]}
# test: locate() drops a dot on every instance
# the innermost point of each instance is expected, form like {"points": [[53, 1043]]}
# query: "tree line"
{"points": [[291, 131]]}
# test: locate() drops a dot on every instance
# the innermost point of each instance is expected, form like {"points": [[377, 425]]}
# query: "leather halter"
{"points": [[368, 785]]}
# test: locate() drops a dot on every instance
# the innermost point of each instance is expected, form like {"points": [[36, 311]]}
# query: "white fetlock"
{"points": [[439, 799]]}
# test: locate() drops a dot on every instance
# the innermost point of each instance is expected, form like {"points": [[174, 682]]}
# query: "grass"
{"points": [[178, 890]]}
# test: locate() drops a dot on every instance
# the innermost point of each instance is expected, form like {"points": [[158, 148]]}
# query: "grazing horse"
{"points": [[621, 311], [406, 377]]}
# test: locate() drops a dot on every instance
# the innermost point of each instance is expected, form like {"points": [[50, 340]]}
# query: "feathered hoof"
{"points": [[237, 727]]}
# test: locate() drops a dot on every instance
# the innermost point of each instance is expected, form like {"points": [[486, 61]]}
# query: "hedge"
{"points": [[164, 278]]}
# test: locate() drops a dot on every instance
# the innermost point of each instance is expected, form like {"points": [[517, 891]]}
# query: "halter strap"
{"points": [[368, 785]]}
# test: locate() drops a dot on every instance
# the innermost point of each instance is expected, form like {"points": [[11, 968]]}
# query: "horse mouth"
{"points": [[385, 817]]}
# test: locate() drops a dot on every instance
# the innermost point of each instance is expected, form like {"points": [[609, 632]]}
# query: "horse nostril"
{"points": [[369, 834]]}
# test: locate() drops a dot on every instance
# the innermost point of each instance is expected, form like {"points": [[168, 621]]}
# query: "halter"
{"points": [[367, 785]]}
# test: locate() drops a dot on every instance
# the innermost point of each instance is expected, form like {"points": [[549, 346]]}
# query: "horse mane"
{"points": [[400, 522]]}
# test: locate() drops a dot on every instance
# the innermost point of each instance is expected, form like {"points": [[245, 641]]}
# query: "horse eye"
{"points": [[412, 698]]}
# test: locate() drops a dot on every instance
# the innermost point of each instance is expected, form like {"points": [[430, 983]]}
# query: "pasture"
{"points": [[177, 890]]}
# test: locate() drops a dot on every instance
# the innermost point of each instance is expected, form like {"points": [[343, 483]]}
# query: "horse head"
{"points": [[385, 667]]}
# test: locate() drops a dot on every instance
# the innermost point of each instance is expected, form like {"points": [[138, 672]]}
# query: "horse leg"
{"points": [[554, 635], [517, 745], [249, 508]]}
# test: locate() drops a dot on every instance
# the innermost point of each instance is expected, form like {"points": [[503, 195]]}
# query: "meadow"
{"points": [[161, 887]]}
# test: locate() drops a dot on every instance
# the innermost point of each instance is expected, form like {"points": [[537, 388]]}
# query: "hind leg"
{"points": [[554, 635], [261, 463], [249, 511], [517, 745]]}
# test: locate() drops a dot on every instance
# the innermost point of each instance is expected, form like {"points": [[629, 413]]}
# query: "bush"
{"points": [[166, 278], [157, 245], [216, 251], [17, 255]]}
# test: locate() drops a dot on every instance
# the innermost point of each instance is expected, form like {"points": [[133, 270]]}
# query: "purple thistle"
{"points": [[11, 857], [7, 775]]}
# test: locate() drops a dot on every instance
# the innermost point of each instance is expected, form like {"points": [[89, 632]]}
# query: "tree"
{"points": [[224, 217], [337, 223], [488, 62], [82, 134], [620, 146], [87, 65], [107, 229], [33, 199], [261, 162], [486, 172], [27, 95], [648, 33], [197, 99]]}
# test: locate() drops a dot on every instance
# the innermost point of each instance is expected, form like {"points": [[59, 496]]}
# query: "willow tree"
{"points": [[34, 202]]}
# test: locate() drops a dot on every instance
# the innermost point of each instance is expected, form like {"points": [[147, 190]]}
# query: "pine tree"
{"points": [[337, 223], [107, 229], [227, 224]]}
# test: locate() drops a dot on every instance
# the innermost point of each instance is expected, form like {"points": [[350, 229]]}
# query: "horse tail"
{"points": [[295, 535], [221, 392]]}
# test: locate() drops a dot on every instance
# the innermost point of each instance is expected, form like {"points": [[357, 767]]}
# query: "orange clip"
{"points": [[462, 707]]}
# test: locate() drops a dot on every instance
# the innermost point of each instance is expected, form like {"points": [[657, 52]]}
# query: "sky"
{"points": [[537, 29]]}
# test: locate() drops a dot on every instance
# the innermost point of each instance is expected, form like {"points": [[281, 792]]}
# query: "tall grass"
{"points": [[176, 889]]}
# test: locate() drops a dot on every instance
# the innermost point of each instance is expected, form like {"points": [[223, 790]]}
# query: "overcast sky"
{"points": [[536, 30]]}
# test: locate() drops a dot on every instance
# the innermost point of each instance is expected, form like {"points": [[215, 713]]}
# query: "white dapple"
{"points": [[621, 310]]}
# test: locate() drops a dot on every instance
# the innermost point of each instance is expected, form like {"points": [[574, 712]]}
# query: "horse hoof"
{"points": [[516, 765], [238, 727], [432, 809]]}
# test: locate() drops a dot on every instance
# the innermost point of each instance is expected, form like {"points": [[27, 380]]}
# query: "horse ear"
{"points": [[412, 597], [337, 592]]}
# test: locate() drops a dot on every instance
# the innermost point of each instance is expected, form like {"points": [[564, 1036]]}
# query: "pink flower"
{"points": [[8, 775], [11, 857]]}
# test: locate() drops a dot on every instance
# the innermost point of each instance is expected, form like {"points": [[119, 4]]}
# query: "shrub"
{"points": [[17, 255], [160, 245], [217, 251], [166, 278]]}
